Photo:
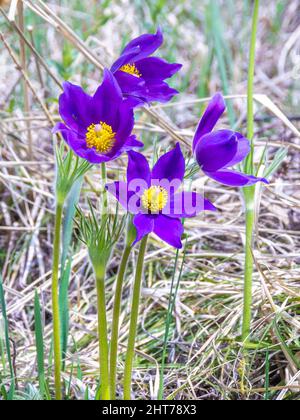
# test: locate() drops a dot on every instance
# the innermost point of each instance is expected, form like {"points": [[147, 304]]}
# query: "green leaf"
{"points": [[267, 377], [72, 202], [7, 343], [222, 50], [64, 309], [39, 339], [276, 163], [70, 210]]}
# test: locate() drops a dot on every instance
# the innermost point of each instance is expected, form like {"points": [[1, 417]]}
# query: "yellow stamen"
{"points": [[101, 137], [155, 199], [131, 69]]}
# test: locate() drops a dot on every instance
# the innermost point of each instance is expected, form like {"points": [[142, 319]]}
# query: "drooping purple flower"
{"points": [[97, 128], [217, 152], [142, 77], [153, 197]]}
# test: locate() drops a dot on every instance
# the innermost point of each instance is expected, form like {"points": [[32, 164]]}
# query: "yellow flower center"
{"points": [[155, 199], [131, 69], [101, 137]]}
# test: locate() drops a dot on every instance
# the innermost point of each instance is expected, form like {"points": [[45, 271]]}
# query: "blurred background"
{"points": [[73, 40]]}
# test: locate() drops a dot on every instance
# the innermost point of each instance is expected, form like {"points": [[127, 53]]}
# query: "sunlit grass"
{"points": [[204, 349]]}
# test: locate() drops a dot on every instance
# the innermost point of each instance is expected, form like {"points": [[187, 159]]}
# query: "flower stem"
{"points": [[55, 301], [250, 100], [102, 333], [250, 217], [116, 321], [249, 192], [104, 192], [167, 330], [134, 319]]}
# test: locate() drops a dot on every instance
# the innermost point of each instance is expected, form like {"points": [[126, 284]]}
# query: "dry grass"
{"points": [[205, 358]]}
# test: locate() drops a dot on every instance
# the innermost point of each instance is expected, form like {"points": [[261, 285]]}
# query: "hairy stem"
{"points": [[103, 189], [167, 330], [102, 333], [134, 319], [116, 321], [247, 307], [55, 301], [251, 74], [249, 192]]}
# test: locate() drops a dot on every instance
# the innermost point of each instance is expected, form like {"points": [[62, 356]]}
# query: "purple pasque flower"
{"points": [[220, 150], [97, 128], [142, 77], [153, 197]]}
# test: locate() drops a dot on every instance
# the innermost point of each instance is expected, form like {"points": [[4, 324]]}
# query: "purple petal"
{"points": [[130, 84], [125, 58], [138, 169], [243, 150], [156, 68], [147, 45], [59, 127], [215, 150], [134, 101], [156, 91], [144, 226], [74, 107], [188, 204], [126, 198], [210, 118], [125, 123], [170, 167], [78, 145], [169, 230], [132, 143], [144, 90], [235, 179], [107, 100]]}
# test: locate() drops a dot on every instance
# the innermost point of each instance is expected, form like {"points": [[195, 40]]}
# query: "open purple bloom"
{"points": [[142, 77], [153, 198], [216, 152], [97, 128]]}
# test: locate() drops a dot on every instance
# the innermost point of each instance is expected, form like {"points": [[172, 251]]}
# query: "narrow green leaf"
{"points": [[6, 333], [39, 339], [72, 202], [289, 352], [64, 309], [221, 50], [276, 163], [267, 377]]}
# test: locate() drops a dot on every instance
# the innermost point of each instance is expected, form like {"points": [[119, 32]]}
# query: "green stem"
{"points": [[248, 280], [249, 192], [134, 319], [167, 329], [55, 301], [102, 333], [250, 100], [116, 321], [104, 192]]}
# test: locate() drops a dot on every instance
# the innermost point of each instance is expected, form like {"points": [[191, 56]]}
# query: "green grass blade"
{"points": [[6, 334], [289, 352], [64, 310], [72, 202], [267, 377], [39, 339], [172, 300], [221, 50], [276, 162]]}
